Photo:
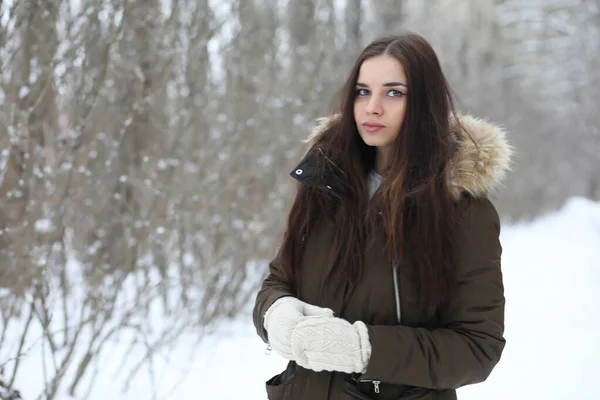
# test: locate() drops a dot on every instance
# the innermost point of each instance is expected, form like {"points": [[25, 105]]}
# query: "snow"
{"points": [[552, 280], [44, 225]]}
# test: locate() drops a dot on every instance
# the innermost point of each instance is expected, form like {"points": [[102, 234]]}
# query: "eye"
{"points": [[395, 93], [362, 92]]}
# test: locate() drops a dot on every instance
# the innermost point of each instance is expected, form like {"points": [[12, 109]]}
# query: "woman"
{"points": [[388, 282]]}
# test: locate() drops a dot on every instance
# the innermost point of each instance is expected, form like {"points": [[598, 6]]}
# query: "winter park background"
{"points": [[144, 155]]}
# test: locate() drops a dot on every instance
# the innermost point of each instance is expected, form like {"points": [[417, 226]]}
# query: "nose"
{"points": [[374, 106]]}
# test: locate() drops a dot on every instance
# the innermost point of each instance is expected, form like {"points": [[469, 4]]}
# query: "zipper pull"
{"points": [[376, 384], [268, 350]]}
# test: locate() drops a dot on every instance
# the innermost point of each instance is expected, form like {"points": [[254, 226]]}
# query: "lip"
{"points": [[372, 126]]}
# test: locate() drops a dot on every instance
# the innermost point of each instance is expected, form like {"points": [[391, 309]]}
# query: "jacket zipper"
{"points": [[375, 383], [397, 294]]}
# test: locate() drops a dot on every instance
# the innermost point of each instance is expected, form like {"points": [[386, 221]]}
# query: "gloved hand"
{"points": [[281, 319], [331, 344]]}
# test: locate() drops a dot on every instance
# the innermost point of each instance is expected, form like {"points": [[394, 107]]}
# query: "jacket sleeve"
{"points": [[273, 287], [470, 341]]}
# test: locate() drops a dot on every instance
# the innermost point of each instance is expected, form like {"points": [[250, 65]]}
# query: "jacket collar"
{"points": [[478, 168]]}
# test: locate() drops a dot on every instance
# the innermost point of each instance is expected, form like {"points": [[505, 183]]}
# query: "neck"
{"points": [[381, 159]]}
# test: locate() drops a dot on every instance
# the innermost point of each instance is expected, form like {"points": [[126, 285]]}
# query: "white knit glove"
{"points": [[331, 344], [281, 319]]}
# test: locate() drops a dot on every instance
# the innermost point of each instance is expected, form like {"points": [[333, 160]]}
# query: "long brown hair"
{"points": [[413, 206]]}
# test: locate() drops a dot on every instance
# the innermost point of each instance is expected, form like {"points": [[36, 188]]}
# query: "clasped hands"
{"points": [[315, 339]]}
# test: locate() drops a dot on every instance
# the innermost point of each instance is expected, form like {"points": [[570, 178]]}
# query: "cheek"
{"points": [[397, 122], [399, 115]]}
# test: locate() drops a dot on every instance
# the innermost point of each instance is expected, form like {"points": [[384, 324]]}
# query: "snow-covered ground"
{"points": [[552, 279]]}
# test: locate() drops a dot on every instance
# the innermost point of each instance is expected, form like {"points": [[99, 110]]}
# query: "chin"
{"points": [[374, 141]]}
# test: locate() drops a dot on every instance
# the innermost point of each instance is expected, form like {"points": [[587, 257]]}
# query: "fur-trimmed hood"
{"points": [[481, 162]]}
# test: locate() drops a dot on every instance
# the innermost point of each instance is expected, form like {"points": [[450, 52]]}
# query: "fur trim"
{"points": [[481, 162]]}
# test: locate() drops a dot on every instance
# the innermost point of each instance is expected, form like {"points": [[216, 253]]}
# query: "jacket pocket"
{"points": [[420, 394], [423, 394], [279, 386], [385, 391], [355, 393]]}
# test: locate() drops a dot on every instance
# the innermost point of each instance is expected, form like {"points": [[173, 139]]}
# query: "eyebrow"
{"points": [[387, 84]]}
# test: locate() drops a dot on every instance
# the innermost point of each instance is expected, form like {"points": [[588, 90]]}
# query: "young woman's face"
{"points": [[380, 102]]}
